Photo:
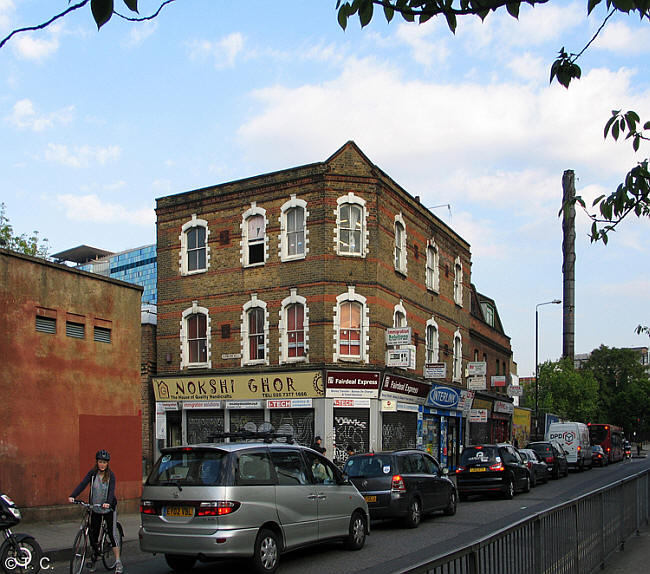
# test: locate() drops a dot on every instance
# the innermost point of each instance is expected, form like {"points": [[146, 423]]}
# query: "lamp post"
{"points": [[554, 302]]}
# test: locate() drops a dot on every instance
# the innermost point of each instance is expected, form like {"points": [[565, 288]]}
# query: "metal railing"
{"points": [[575, 537]]}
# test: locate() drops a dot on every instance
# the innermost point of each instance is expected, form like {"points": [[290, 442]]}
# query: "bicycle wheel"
{"points": [[108, 556], [79, 552]]}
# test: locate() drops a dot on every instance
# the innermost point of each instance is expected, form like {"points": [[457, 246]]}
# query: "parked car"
{"points": [[250, 500], [598, 455], [491, 468], [574, 438], [402, 484], [552, 453], [537, 467]]}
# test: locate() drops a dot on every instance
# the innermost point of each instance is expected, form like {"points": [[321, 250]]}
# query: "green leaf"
{"points": [[646, 126], [389, 12], [451, 22], [615, 130], [591, 5], [343, 16], [365, 13], [132, 5], [513, 9], [102, 11], [624, 5]]}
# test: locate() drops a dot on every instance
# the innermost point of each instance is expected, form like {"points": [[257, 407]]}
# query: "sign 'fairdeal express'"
{"points": [[294, 385]]}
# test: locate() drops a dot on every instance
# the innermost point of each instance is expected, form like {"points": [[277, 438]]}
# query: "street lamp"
{"points": [[554, 302]]}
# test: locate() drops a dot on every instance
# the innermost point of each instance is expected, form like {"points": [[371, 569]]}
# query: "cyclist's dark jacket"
{"points": [[89, 478]]}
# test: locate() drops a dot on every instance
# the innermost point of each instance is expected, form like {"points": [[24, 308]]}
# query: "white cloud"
{"points": [[635, 289], [429, 46], [81, 156], [92, 208], [140, 32], [223, 51], [24, 116], [38, 45], [619, 37], [6, 10]]}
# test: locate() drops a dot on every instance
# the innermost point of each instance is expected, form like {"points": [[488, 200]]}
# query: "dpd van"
{"points": [[574, 439]]}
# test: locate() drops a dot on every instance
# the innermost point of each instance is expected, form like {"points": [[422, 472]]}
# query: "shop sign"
{"points": [[482, 404], [388, 406], [201, 405], [498, 380], [477, 369], [405, 390], [236, 405], [252, 386], [162, 407], [477, 383], [289, 404], [478, 415], [466, 398], [398, 358], [351, 403], [514, 391], [443, 397], [398, 336], [435, 371], [352, 384], [503, 407], [411, 408]]}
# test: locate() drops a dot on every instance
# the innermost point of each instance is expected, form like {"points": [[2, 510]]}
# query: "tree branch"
{"points": [[144, 18], [45, 24]]}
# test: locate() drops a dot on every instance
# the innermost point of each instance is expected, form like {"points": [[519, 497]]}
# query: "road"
{"points": [[390, 546]]}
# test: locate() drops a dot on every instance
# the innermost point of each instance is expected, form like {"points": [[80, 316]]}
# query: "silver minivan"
{"points": [[251, 500]]}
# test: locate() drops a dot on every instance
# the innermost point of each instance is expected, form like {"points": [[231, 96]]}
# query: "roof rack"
{"points": [[266, 437]]}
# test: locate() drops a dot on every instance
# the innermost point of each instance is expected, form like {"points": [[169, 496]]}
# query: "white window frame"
{"points": [[195, 309], [293, 203], [458, 282], [293, 299], [432, 348], [399, 312], [245, 349], [432, 270], [354, 200], [253, 211], [364, 343], [457, 367], [183, 256], [399, 252]]}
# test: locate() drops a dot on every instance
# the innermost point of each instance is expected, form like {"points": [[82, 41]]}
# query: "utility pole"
{"points": [[568, 263]]}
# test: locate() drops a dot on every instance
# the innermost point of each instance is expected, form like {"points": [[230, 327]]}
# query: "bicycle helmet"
{"points": [[103, 455]]}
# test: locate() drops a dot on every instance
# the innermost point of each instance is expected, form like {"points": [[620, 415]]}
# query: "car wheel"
{"points": [[451, 507], [180, 563], [357, 532], [566, 471], [509, 490], [266, 556], [556, 472], [414, 515], [527, 484], [533, 480]]}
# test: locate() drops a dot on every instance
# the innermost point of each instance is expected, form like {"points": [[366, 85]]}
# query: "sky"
{"points": [[97, 125]]}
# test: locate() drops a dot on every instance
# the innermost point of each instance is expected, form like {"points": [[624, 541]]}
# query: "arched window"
{"points": [[458, 357], [351, 326], [254, 240], [293, 329], [194, 255], [458, 282], [195, 337], [255, 332], [432, 344], [351, 226], [400, 244], [433, 267], [293, 231]]}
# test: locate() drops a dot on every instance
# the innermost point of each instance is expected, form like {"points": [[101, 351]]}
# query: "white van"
{"points": [[574, 438]]}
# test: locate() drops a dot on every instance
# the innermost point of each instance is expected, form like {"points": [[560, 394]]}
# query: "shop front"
{"points": [[401, 412], [442, 423], [479, 416], [192, 410], [501, 421], [521, 426]]}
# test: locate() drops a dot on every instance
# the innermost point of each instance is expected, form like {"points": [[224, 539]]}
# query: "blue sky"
{"points": [[96, 125]]}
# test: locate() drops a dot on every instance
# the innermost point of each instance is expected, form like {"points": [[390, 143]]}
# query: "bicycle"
{"points": [[82, 542]]}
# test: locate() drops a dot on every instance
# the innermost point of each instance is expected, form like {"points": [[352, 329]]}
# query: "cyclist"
{"points": [[102, 493]]}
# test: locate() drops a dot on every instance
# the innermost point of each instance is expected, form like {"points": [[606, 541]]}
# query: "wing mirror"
{"points": [[445, 471]]}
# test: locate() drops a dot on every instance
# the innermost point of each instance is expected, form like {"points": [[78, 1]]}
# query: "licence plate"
{"points": [[180, 511], [477, 469], [370, 498]]}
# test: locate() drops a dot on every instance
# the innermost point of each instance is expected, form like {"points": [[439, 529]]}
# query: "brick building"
{"points": [[322, 299], [70, 348]]}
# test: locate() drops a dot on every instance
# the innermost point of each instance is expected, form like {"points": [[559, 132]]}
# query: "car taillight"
{"points": [[579, 448], [398, 483], [217, 508], [608, 449], [460, 469], [550, 459], [529, 464], [497, 466], [147, 507]]}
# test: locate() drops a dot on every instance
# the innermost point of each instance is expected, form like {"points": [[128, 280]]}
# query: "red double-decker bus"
{"points": [[610, 437]]}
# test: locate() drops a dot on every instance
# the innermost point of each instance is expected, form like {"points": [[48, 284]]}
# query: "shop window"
{"points": [[351, 226], [194, 257]]}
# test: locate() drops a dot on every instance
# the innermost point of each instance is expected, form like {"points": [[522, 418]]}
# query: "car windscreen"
{"points": [[478, 454], [369, 466], [188, 467], [541, 449]]}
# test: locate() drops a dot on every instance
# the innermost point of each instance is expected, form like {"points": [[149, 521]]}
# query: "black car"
{"points": [[598, 455], [491, 468], [402, 484], [552, 453], [537, 467]]}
